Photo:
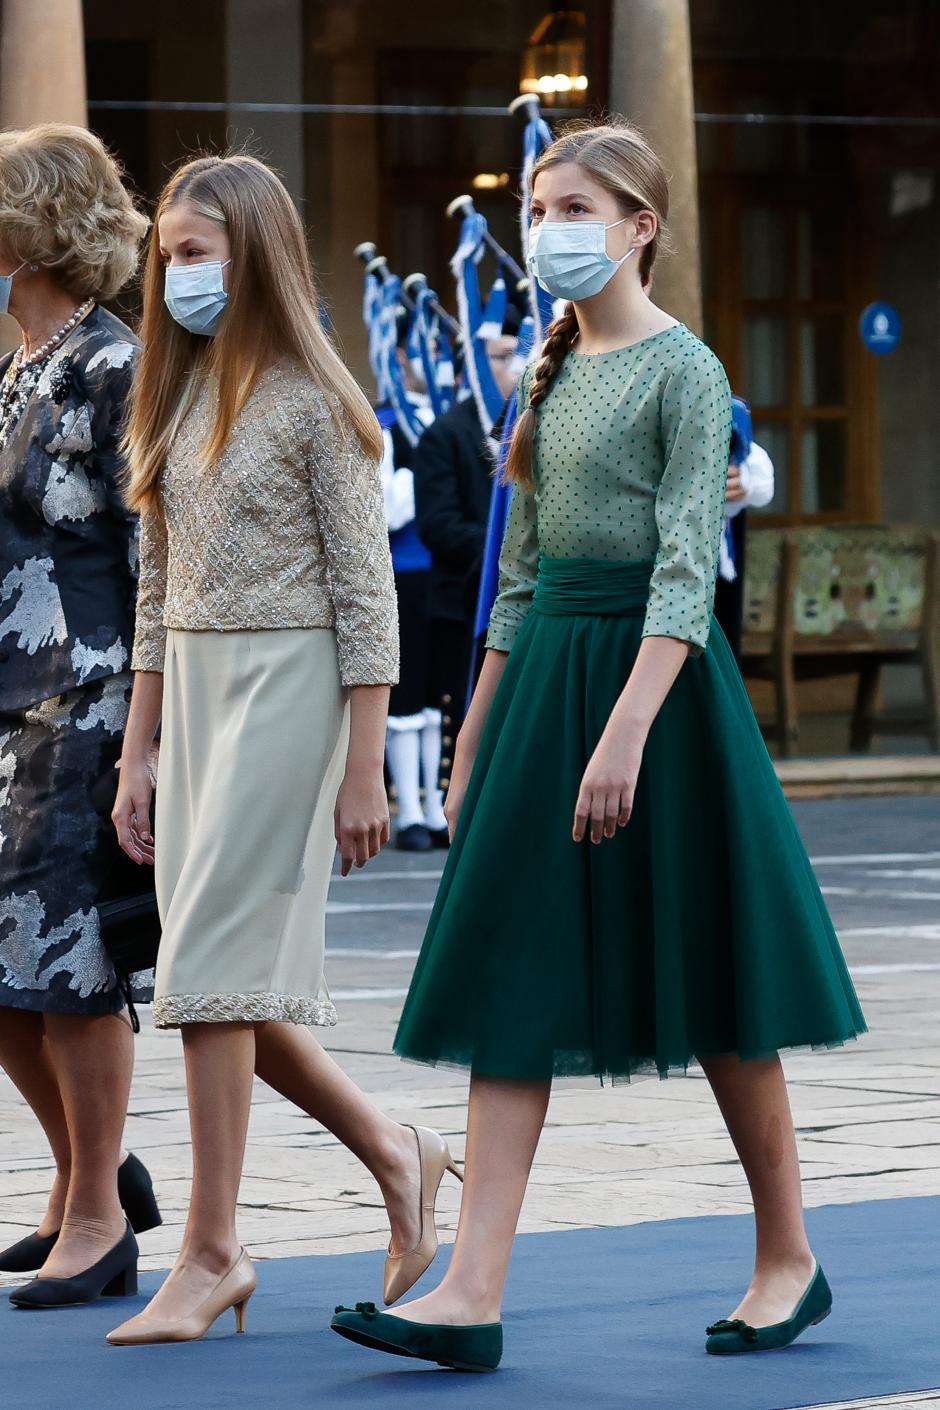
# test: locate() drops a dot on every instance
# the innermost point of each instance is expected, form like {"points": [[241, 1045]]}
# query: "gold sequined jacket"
{"points": [[287, 529]]}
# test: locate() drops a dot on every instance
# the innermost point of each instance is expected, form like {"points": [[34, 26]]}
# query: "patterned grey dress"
{"points": [[67, 577]]}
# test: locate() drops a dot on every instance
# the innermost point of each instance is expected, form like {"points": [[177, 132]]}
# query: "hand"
{"points": [[605, 801], [456, 791], [735, 489], [131, 812], [361, 821]]}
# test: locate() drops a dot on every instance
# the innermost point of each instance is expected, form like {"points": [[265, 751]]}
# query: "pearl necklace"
{"points": [[59, 336], [23, 375]]}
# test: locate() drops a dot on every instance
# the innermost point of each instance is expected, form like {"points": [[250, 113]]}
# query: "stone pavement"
{"points": [[868, 1115], [920, 1401]]}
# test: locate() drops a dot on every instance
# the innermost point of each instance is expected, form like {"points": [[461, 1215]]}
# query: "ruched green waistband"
{"points": [[573, 587]]}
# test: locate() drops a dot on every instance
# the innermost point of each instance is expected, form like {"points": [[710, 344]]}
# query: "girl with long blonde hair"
{"points": [[265, 647], [607, 907]]}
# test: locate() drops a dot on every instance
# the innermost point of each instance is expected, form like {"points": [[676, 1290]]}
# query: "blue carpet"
{"points": [[607, 1317]]}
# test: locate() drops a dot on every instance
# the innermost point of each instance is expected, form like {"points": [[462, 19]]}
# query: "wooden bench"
{"points": [[843, 599]]}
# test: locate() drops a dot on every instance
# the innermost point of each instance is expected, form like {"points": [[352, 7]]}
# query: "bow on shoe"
{"points": [[368, 1309], [746, 1332]]}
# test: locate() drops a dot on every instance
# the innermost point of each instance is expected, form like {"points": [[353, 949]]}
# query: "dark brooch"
{"points": [[62, 381]]}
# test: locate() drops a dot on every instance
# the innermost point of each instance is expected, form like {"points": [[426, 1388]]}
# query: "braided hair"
{"points": [[561, 334], [619, 157]]}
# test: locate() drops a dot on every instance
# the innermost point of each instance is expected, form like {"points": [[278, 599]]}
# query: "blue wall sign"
{"points": [[880, 327]]}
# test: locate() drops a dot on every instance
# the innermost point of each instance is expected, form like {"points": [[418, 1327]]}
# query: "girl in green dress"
{"points": [[626, 889]]}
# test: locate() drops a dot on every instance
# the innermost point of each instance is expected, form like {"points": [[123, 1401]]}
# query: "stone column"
{"points": [[42, 63], [354, 202], [651, 84], [264, 50], [42, 76]]}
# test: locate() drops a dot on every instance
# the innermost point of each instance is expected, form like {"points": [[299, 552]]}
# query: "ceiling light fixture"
{"points": [[555, 58]]}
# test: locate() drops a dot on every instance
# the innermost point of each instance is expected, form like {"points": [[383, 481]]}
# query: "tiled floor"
{"points": [[868, 1118], [868, 1115], [887, 1402]]}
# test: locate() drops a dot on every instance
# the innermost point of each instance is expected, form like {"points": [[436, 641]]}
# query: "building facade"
{"points": [[803, 142]]}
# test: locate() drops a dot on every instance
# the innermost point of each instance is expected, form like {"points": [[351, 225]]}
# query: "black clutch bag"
{"points": [[127, 908], [130, 931]]}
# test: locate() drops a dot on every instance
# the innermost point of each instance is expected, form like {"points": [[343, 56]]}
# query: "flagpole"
{"points": [[463, 206]]}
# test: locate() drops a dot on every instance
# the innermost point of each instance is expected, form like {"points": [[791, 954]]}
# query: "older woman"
{"points": [[69, 237]]}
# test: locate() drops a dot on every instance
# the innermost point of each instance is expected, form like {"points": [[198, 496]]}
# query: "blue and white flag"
{"points": [[434, 351], [391, 382], [372, 318], [501, 495], [742, 434], [500, 500], [494, 314], [536, 137], [472, 315]]}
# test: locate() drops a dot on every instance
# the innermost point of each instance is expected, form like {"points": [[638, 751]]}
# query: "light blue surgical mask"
{"points": [[569, 257], [6, 286], [196, 296]]}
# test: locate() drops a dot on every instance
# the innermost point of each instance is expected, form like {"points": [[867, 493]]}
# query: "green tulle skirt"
{"points": [[699, 929]]}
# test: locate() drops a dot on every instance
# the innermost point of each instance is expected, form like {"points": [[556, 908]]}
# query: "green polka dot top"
{"points": [[630, 462]]}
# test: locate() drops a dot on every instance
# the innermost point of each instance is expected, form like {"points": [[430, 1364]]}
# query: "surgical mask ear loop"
{"points": [[6, 285], [632, 249]]}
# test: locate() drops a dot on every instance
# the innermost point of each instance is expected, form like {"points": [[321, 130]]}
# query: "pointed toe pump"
{"points": [[233, 1290], [115, 1275], [402, 1270], [731, 1338], [477, 1348], [135, 1191]]}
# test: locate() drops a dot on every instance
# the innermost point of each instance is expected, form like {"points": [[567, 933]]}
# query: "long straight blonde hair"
{"points": [[272, 315], [621, 160]]}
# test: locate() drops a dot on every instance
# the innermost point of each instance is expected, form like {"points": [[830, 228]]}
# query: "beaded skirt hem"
{"points": [[173, 1009]]}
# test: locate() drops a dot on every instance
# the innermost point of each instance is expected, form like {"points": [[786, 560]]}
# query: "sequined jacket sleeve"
{"points": [[150, 634], [351, 518], [696, 436]]}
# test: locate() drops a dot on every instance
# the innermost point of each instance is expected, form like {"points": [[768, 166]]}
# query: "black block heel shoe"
{"points": [[135, 1191], [28, 1254], [115, 1275]]}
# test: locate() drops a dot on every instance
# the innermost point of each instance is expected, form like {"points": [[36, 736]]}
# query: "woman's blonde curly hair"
{"points": [[64, 205]]}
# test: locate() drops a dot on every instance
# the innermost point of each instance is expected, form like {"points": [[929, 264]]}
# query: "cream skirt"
{"points": [[255, 728]]}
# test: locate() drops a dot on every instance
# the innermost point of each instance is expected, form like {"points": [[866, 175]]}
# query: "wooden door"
{"points": [[786, 272]]}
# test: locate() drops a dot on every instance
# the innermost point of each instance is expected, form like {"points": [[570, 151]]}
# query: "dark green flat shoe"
{"points": [[462, 1348], [730, 1338]]}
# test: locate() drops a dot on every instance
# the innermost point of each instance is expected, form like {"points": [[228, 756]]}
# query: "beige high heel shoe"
{"points": [[233, 1289], [402, 1270]]}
